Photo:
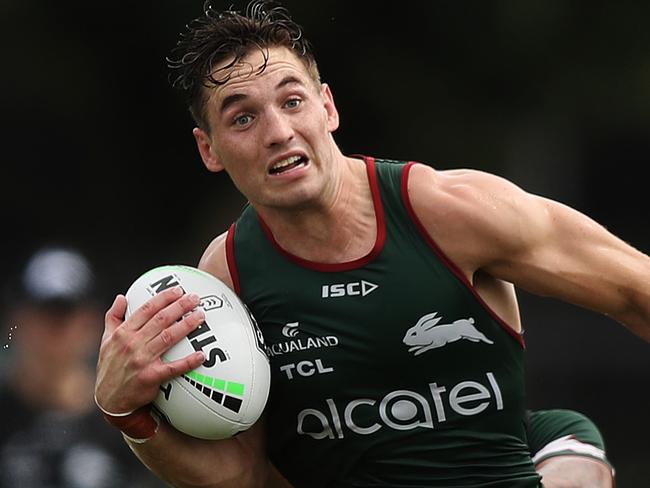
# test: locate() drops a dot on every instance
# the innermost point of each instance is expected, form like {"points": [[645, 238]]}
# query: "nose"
{"points": [[278, 128]]}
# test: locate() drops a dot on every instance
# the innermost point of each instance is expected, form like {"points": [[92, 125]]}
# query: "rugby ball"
{"points": [[228, 392]]}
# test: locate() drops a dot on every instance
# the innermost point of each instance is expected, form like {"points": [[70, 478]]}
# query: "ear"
{"points": [[208, 155], [330, 107]]}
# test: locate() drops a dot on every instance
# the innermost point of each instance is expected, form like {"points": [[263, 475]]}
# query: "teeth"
{"points": [[286, 162]]}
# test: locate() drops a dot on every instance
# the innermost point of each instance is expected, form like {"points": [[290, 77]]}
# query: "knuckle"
{"points": [[115, 339], [167, 371], [118, 334], [137, 363], [128, 348], [170, 369], [147, 308], [167, 338], [159, 319]]}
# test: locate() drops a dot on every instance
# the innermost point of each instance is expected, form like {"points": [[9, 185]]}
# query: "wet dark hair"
{"points": [[230, 35]]}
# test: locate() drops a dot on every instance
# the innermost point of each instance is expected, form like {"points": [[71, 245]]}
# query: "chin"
{"points": [[294, 199]]}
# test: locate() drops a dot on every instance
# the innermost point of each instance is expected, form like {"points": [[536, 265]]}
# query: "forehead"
{"points": [[247, 74]]}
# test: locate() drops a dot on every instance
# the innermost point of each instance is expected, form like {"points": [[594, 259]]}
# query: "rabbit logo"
{"points": [[426, 334]]}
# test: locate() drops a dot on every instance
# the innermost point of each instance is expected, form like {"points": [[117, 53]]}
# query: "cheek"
{"points": [[244, 179], [237, 152]]}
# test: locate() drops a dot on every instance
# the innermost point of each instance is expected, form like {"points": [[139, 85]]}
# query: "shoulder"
{"points": [[463, 209], [462, 189], [214, 259]]}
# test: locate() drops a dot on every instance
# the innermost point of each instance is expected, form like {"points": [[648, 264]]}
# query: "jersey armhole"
{"points": [[446, 260], [230, 258]]}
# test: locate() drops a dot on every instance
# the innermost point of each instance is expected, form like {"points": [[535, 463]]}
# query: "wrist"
{"points": [[111, 414], [137, 426]]}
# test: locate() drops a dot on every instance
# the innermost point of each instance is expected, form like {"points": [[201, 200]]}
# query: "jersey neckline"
{"points": [[355, 263]]}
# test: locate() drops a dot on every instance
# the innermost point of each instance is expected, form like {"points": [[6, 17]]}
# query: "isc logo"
{"points": [[361, 288]]}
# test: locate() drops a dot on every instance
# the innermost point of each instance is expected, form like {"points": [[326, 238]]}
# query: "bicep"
{"points": [[562, 253], [486, 223], [550, 249]]}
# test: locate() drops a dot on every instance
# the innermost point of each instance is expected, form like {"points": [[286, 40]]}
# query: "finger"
{"points": [[170, 336], [152, 306], [115, 314], [168, 316], [168, 371]]}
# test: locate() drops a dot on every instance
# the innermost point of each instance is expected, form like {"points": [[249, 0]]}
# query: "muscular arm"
{"points": [[186, 462], [485, 223], [130, 372], [575, 472]]}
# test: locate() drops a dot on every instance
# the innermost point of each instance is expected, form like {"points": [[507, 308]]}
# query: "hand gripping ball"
{"points": [[228, 392]]}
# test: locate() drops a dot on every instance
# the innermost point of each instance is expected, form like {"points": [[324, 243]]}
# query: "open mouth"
{"points": [[288, 164]]}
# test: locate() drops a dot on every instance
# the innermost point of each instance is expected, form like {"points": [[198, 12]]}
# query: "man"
{"points": [[51, 434], [406, 273]]}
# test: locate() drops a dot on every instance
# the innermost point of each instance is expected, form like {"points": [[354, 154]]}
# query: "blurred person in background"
{"points": [[51, 436]]}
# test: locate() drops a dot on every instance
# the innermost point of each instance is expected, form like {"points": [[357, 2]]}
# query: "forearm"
{"points": [[636, 315], [575, 472], [186, 462]]}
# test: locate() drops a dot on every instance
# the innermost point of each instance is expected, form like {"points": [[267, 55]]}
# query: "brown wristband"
{"points": [[139, 426]]}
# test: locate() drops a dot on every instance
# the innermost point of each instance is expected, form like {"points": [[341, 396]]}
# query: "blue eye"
{"points": [[293, 103], [242, 120]]}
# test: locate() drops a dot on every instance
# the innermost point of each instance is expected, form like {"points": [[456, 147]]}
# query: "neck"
{"points": [[340, 227]]}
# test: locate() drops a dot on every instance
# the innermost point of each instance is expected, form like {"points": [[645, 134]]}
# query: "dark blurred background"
{"points": [[97, 148]]}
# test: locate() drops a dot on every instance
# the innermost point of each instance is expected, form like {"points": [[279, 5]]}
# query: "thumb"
{"points": [[115, 314]]}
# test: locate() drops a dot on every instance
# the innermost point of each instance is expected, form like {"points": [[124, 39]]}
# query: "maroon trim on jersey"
{"points": [[357, 263], [230, 258], [448, 262]]}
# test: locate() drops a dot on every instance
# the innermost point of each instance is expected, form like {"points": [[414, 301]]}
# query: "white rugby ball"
{"points": [[228, 392]]}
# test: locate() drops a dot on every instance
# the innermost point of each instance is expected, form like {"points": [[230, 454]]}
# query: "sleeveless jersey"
{"points": [[389, 370]]}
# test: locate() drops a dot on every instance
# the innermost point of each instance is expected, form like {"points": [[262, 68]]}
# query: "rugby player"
{"points": [[385, 290]]}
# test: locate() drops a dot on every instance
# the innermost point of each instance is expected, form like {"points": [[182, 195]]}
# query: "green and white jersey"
{"points": [[388, 370]]}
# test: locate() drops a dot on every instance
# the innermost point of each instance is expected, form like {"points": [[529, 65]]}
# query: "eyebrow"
{"points": [[230, 99], [287, 80], [236, 97]]}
